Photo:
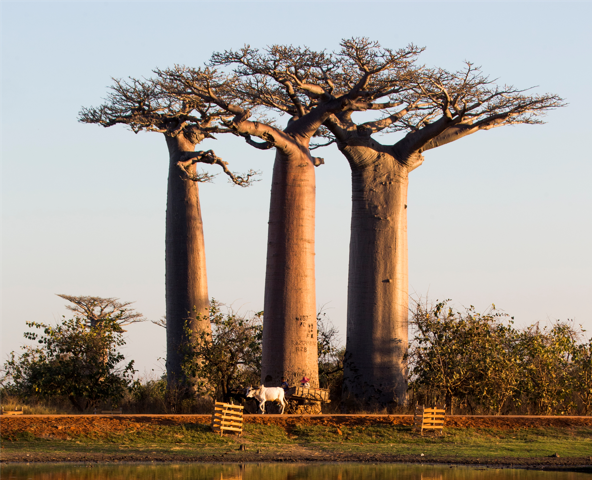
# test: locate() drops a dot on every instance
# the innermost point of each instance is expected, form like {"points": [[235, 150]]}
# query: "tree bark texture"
{"points": [[290, 327], [186, 280], [375, 370]]}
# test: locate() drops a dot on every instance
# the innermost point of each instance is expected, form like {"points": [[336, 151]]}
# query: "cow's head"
{"points": [[251, 392]]}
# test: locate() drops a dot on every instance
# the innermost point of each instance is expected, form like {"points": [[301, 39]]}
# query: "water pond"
{"points": [[341, 471]]}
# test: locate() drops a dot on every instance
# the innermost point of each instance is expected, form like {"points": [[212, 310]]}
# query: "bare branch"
{"points": [[161, 322], [209, 157], [143, 105]]}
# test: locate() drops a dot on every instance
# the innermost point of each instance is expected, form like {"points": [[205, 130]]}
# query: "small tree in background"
{"points": [[330, 352], [72, 361], [582, 376], [227, 359], [95, 310], [547, 385]]}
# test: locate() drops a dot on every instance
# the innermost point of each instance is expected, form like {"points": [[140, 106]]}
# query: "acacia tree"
{"points": [[94, 310], [432, 107], [292, 81], [143, 106]]}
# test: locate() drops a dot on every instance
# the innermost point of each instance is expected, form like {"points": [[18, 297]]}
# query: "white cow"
{"points": [[264, 394]]}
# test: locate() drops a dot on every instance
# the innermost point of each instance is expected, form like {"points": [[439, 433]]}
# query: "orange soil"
{"points": [[66, 426]]}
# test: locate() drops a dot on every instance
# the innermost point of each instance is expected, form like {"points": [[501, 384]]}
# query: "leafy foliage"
{"points": [[227, 359], [230, 358], [547, 360], [331, 354], [486, 365], [582, 376], [73, 361]]}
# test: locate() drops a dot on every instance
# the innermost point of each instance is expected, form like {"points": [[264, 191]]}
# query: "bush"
{"points": [[150, 396], [331, 355], [480, 363], [228, 359], [71, 361]]}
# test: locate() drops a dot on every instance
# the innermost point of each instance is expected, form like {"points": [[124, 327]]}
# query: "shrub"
{"points": [[482, 364], [73, 361], [229, 358]]}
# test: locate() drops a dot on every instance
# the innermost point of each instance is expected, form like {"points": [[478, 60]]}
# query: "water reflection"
{"points": [[273, 472]]}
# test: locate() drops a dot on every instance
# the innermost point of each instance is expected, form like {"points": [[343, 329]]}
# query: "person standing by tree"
{"points": [[285, 385]]}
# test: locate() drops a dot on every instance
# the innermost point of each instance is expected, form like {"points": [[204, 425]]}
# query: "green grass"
{"points": [[379, 439], [271, 434], [459, 442], [159, 435]]}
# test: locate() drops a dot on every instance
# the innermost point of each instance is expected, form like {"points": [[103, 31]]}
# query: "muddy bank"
{"points": [[581, 464]]}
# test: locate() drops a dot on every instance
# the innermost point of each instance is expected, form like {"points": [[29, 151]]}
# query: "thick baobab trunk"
{"points": [[375, 368], [290, 327], [186, 281]]}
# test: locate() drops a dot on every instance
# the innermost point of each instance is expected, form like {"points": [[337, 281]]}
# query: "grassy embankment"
{"points": [[198, 440]]}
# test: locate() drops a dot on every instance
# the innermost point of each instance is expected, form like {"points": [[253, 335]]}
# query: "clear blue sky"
{"points": [[503, 216]]}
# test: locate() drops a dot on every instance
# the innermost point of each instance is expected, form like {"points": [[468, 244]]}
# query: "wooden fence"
{"points": [[429, 419], [227, 417], [12, 412]]}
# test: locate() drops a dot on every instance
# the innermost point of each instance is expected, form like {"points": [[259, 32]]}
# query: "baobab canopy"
{"points": [[429, 107], [143, 105], [323, 94]]}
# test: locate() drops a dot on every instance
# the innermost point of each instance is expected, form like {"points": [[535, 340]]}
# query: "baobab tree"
{"points": [[296, 82], [143, 106], [311, 87], [431, 107]]}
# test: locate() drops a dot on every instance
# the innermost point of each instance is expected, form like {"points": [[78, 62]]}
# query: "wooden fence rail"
{"points": [[227, 417], [12, 412], [429, 419]]}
